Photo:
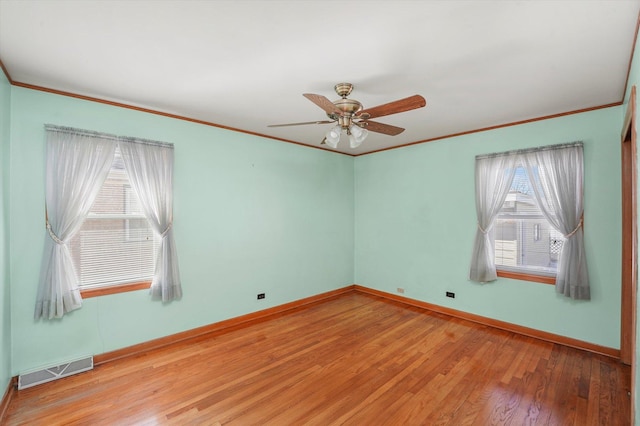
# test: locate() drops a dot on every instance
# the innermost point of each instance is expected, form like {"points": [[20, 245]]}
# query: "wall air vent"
{"points": [[49, 374]]}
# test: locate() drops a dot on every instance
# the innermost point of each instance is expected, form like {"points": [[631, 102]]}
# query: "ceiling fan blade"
{"points": [[402, 105], [374, 126], [323, 103], [300, 124]]}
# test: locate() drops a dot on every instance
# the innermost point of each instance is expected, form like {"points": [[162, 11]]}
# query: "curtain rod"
{"points": [[145, 141], [528, 150], [75, 131]]}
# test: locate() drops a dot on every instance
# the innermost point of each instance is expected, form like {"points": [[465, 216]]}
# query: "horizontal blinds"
{"points": [[115, 244]]}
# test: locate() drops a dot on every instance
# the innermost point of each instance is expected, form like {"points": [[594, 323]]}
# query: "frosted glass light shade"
{"points": [[357, 135], [333, 136]]}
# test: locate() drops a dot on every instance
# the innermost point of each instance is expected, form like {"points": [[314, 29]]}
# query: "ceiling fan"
{"points": [[352, 118]]}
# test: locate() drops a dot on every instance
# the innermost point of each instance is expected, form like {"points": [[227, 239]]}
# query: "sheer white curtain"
{"points": [[494, 174], [557, 175], [150, 169], [77, 163]]}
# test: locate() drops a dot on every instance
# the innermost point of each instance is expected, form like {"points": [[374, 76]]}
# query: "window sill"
{"points": [[527, 277], [114, 289]]}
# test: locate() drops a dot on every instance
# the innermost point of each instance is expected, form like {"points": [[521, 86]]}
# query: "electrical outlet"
{"points": [[260, 296], [400, 290], [451, 294]]}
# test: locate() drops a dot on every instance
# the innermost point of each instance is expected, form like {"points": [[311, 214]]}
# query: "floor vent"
{"points": [[53, 373]]}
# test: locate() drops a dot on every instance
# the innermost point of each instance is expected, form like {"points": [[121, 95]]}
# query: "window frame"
{"points": [[96, 290], [522, 274], [114, 289], [543, 279]]}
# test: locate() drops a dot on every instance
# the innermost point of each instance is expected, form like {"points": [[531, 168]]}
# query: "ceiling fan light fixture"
{"points": [[357, 135], [333, 136], [353, 142]]}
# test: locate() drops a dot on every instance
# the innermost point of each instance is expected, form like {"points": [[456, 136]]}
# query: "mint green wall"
{"points": [[634, 80], [251, 215], [5, 296], [256, 215], [415, 223]]}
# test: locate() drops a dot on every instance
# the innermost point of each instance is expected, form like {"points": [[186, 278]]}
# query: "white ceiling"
{"points": [[245, 64]]}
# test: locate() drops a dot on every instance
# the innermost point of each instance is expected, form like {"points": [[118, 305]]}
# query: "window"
{"points": [[529, 210], [116, 244], [524, 241], [98, 240]]}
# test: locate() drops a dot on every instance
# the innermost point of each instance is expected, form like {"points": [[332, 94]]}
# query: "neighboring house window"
{"points": [[529, 209], [524, 241], [116, 244]]}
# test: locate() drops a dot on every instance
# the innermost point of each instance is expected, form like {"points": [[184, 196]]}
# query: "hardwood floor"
{"points": [[355, 359]]}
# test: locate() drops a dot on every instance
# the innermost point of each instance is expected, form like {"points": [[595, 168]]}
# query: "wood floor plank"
{"points": [[354, 359]]}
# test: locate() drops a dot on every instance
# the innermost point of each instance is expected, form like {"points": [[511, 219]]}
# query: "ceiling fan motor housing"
{"points": [[349, 108]]}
